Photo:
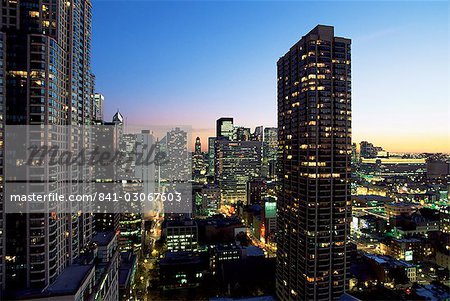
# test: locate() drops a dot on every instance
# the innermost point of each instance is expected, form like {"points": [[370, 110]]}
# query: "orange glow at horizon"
{"points": [[431, 143]]}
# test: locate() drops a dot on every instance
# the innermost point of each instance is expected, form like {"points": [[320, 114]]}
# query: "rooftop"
{"points": [[402, 204], [388, 260], [70, 280], [103, 238], [254, 251]]}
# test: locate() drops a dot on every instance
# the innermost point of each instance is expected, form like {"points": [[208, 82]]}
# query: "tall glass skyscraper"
{"points": [[314, 133], [46, 76]]}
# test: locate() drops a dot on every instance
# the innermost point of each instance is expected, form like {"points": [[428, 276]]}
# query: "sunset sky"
{"points": [[189, 63]]}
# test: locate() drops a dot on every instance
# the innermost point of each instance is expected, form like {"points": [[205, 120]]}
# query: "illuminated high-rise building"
{"points": [[270, 152], [199, 163], [198, 146], [46, 78], [179, 159], [258, 134], [107, 138], [237, 162], [211, 155], [224, 128], [241, 133], [314, 134]]}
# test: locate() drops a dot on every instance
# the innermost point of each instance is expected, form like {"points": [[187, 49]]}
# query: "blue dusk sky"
{"points": [[189, 63]]}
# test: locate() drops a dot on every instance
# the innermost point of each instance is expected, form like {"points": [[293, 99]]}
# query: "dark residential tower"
{"points": [[314, 134]]}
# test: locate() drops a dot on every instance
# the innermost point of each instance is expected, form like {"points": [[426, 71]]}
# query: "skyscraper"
{"points": [[97, 109], [237, 162], [198, 146], [211, 155], [270, 153], [224, 128], [241, 133], [314, 133], [199, 163], [107, 138], [48, 80], [179, 159]]}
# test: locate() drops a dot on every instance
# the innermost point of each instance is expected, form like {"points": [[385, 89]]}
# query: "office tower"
{"points": [[199, 164], [237, 162], [241, 133], [256, 191], [210, 195], [198, 146], [175, 173], [258, 134], [211, 155], [270, 152], [178, 157], [107, 139], [98, 104], [48, 80], [314, 134], [224, 128], [130, 224], [145, 170], [145, 142], [128, 146]]}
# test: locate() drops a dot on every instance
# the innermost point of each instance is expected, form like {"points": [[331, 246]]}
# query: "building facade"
{"points": [[270, 153], [224, 128], [237, 162], [181, 236], [314, 135], [47, 80]]}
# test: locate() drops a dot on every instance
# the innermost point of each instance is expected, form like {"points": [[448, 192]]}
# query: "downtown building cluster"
{"points": [[399, 224]]}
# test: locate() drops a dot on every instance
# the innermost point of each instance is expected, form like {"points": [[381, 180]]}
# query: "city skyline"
{"points": [[105, 195], [227, 69]]}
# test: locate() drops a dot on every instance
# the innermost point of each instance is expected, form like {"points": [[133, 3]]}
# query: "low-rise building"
{"points": [[389, 269], [409, 249], [394, 209], [180, 270]]}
